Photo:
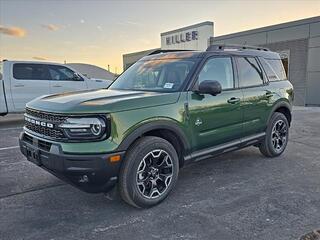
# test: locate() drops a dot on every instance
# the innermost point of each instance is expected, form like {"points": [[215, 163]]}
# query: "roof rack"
{"points": [[168, 50], [222, 47]]}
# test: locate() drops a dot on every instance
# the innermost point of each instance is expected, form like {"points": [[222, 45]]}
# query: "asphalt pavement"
{"points": [[239, 195]]}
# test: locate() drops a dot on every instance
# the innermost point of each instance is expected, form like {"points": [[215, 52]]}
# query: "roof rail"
{"points": [[168, 50], [222, 47]]}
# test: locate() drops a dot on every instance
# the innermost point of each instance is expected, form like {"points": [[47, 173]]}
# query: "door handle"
{"points": [[56, 86], [269, 94], [19, 85], [233, 100]]}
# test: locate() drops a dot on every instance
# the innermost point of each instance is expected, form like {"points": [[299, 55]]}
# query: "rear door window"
{"points": [[30, 71], [250, 73]]}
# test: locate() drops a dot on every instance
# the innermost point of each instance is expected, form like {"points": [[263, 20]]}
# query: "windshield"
{"points": [[166, 75]]}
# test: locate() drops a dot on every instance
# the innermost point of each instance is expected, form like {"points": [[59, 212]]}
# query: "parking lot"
{"points": [[240, 195]]}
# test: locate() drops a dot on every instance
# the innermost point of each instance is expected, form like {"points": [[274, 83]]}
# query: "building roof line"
{"points": [[270, 28], [187, 27], [134, 53]]}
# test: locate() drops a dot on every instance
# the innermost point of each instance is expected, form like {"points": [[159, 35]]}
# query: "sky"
{"points": [[98, 32]]}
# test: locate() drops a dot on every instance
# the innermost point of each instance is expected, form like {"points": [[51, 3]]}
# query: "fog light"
{"points": [[84, 179]]}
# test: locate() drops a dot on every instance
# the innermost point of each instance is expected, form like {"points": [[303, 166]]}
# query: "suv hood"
{"points": [[101, 101]]}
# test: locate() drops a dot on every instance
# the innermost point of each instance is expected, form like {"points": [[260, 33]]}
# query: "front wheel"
{"points": [[277, 135], [149, 172]]}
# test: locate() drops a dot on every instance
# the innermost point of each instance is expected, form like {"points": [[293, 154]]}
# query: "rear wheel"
{"points": [[277, 135], [149, 172]]}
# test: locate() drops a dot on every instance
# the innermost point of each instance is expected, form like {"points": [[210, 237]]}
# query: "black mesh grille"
{"points": [[52, 133], [46, 117]]}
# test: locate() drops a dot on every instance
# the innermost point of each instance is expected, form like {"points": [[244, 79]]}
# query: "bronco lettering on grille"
{"points": [[39, 123]]}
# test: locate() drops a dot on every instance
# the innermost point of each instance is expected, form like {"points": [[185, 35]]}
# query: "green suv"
{"points": [[167, 109]]}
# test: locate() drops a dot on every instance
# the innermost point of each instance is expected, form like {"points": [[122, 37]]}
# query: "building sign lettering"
{"points": [[182, 37]]}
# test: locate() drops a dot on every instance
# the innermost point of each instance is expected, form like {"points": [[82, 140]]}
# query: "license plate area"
{"points": [[33, 155]]}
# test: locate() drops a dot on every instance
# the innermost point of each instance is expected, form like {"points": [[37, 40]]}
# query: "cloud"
{"points": [[13, 31], [82, 21], [50, 27], [39, 58]]}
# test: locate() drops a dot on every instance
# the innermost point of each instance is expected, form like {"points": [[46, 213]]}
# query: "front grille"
{"points": [[52, 133], [51, 118], [44, 145], [28, 138], [45, 116]]}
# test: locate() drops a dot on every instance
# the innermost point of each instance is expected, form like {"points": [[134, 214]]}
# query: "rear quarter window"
{"points": [[274, 69]]}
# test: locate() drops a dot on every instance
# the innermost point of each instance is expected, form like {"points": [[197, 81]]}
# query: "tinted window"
{"points": [[250, 73], [274, 69], [218, 69], [30, 71], [60, 73], [166, 75]]}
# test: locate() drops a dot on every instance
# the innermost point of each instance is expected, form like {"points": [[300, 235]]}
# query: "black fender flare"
{"points": [[277, 105], [154, 125]]}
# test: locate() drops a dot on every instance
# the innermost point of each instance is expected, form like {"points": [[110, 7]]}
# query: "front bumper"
{"points": [[89, 172]]}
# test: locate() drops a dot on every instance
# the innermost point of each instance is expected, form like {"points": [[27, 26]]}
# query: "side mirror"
{"points": [[76, 77], [209, 87]]}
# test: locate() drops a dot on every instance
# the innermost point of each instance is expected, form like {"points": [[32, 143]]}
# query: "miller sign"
{"points": [[182, 37]]}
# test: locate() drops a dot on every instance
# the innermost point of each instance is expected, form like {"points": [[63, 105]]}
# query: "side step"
{"points": [[226, 147]]}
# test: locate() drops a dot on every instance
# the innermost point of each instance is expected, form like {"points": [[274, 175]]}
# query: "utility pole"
{"points": [[108, 67]]}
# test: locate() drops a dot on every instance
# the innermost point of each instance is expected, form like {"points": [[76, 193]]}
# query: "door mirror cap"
{"points": [[209, 87]]}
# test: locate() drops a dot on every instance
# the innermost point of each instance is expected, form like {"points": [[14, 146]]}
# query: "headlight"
{"points": [[84, 128]]}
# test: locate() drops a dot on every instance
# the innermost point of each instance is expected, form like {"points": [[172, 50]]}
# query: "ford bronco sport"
{"points": [[165, 110]]}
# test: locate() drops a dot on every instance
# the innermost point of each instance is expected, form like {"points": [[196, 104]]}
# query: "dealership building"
{"points": [[297, 42]]}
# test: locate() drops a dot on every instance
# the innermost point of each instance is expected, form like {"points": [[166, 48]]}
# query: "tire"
{"points": [[277, 136], [149, 172]]}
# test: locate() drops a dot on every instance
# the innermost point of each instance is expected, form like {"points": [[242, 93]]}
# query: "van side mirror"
{"points": [[209, 87]]}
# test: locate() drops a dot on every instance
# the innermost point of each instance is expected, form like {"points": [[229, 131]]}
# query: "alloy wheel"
{"points": [[279, 135], [154, 175]]}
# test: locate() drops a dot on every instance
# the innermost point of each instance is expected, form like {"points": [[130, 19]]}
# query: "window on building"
{"points": [[29, 71], [218, 69], [250, 73]]}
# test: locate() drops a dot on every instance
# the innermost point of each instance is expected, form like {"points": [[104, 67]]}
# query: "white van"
{"points": [[23, 81]]}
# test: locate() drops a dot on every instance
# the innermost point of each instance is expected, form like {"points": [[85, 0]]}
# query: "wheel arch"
{"points": [[166, 129], [284, 108]]}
